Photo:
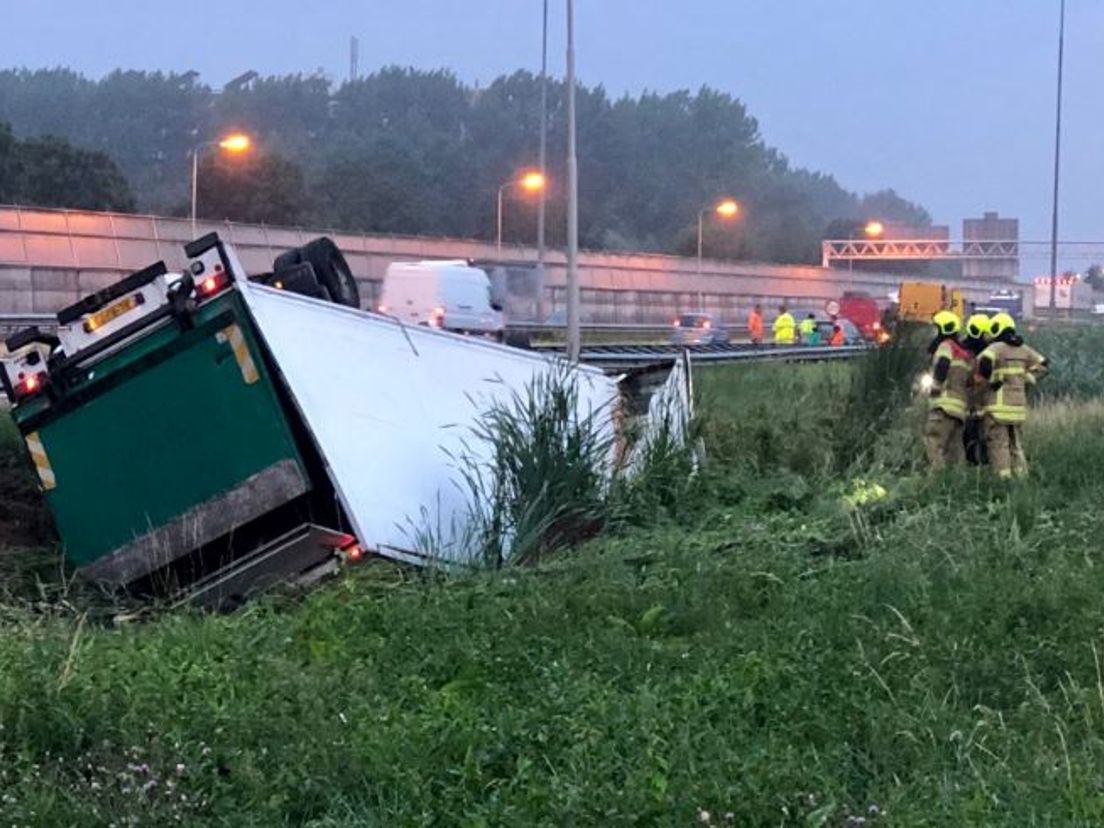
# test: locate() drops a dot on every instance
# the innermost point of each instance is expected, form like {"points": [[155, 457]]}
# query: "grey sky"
{"points": [[951, 102]]}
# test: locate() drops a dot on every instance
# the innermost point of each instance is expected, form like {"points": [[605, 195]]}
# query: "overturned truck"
{"points": [[203, 434]]}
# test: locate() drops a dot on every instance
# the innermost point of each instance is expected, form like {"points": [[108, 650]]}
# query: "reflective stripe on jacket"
{"points": [[950, 394], [1013, 368], [783, 328]]}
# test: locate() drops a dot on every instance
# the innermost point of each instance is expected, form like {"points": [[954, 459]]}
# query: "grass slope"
{"points": [[761, 655]]}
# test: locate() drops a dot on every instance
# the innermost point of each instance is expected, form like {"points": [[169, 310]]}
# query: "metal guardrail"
{"points": [[12, 322], [611, 356], [659, 328], [48, 321]]}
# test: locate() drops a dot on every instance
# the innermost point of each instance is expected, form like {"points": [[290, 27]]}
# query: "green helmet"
{"points": [[977, 326], [1000, 323]]}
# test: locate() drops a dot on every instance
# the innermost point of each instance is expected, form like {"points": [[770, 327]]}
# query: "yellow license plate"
{"points": [[112, 312]]}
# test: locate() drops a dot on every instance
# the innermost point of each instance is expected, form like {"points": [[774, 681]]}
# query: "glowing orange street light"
{"points": [[533, 181], [235, 143], [727, 208]]}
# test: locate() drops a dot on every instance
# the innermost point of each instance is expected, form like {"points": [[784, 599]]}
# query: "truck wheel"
{"points": [[288, 260], [332, 271], [330, 268]]}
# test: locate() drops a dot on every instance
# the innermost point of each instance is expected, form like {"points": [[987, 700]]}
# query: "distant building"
{"points": [[992, 228]]}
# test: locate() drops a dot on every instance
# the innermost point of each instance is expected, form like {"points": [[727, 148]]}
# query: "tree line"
{"points": [[50, 172], [420, 152]]}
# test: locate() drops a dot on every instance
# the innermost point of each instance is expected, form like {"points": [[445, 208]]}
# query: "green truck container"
{"points": [[167, 451]]}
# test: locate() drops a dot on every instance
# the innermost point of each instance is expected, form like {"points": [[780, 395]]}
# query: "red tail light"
{"points": [[675, 323], [209, 285], [351, 551], [30, 384]]}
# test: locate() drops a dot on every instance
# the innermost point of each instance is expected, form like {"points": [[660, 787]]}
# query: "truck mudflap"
{"points": [[256, 495]]}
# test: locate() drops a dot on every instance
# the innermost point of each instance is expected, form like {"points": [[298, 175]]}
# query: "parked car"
{"points": [[450, 295], [698, 329], [851, 333]]}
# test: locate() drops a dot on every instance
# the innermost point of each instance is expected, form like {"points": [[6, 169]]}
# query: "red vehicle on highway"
{"points": [[863, 312]]}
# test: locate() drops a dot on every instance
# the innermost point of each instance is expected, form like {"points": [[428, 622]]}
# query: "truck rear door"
{"points": [[160, 432]]}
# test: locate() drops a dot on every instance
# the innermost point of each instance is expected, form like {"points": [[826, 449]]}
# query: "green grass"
{"points": [[763, 652], [1076, 360]]}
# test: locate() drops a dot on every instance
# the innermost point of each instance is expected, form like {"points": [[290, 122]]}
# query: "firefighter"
{"points": [[950, 374], [973, 434], [784, 327], [1007, 367]]}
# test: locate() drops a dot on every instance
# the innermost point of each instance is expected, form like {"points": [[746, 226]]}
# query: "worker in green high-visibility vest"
{"points": [[784, 327], [810, 334]]}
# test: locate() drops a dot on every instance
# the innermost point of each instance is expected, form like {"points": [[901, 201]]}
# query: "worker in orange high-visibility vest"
{"points": [[755, 324]]}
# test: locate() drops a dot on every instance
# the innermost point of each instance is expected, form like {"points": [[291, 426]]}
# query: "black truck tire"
{"points": [[330, 268], [287, 260], [298, 278]]}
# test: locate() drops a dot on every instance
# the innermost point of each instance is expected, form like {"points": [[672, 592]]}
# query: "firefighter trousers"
{"points": [[973, 438], [1005, 444], [943, 439]]}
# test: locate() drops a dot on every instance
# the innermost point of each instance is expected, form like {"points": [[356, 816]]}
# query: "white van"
{"points": [[451, 295]]}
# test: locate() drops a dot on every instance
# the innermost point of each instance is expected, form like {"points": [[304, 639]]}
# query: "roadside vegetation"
{"points": [[811, 632]]}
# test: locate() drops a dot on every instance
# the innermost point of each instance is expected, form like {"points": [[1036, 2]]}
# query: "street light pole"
{"points": [[573, 339], [498, 223], [543, 140], [1057, 158], [701, 226], [701, 223], [195, 181], [851, 260], [531, 182], [725, 208], [235, 142]]}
